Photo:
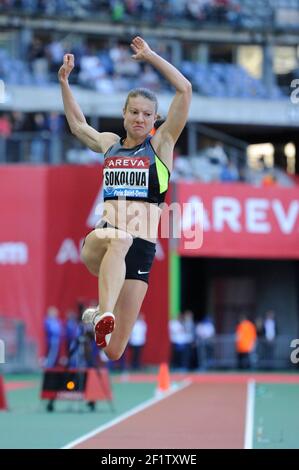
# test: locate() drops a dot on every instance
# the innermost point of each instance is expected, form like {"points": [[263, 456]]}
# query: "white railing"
{"points": [[19, 353]]}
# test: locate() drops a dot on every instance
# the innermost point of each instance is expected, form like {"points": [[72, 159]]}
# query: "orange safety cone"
{"points": [[163, 378], [3, 404]]}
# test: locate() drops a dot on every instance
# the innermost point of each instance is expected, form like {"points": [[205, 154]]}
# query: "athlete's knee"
{"points": [[121, 243], [115, 352]]}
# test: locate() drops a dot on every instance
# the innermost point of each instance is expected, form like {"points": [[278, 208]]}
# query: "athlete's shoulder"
{"points": [[113, 148]]}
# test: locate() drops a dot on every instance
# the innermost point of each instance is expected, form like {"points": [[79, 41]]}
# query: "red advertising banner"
{"points": [[239, 220], [45, 214]]}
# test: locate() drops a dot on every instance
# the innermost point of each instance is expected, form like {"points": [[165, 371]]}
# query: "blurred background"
{"points": [[231, 303]]}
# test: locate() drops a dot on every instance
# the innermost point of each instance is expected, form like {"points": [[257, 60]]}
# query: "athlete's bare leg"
{"points": [[113, 271], [126, 311], [104, 254], [93, 252]]}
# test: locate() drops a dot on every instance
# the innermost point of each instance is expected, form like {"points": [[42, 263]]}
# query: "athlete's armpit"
{"points": [[96, 141]]}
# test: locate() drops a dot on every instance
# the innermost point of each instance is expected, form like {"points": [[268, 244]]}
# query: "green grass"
{"points": [[276, 416], [27, 424]]}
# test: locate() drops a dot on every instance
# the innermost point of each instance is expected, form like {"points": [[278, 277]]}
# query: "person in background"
{"points": [[260, 344], [245, 342], [72, 331], [137, 341], [54, 333], [180, 344], [270, 328], [205, 332]]}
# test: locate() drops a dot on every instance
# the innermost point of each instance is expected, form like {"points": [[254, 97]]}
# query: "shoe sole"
{"points": [[104, 327]]}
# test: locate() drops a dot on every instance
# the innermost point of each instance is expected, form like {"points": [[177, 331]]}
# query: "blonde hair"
{"points": [[148, 94]]}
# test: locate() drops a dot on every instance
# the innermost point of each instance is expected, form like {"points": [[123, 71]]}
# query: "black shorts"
{"points": [[139, 258]]}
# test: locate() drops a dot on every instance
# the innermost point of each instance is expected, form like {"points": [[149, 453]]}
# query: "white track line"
{"points": [[249, 424], [128, 414]]}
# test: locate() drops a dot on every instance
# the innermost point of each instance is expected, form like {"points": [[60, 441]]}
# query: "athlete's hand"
{"points": [[140, 48], [66, 68]]}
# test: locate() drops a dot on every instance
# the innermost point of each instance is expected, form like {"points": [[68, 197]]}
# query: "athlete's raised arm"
{"points": [[167, 134], [97, 141]]}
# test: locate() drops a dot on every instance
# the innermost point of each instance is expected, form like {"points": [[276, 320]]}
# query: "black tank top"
{"points": [[135, 173]]}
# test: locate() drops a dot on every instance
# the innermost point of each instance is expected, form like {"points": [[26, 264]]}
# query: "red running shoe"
{"points": [[103, 327]]}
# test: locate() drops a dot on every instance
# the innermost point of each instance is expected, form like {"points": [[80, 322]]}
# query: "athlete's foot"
{"points": [[103, 324], [89, 314], [103, 327]]}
